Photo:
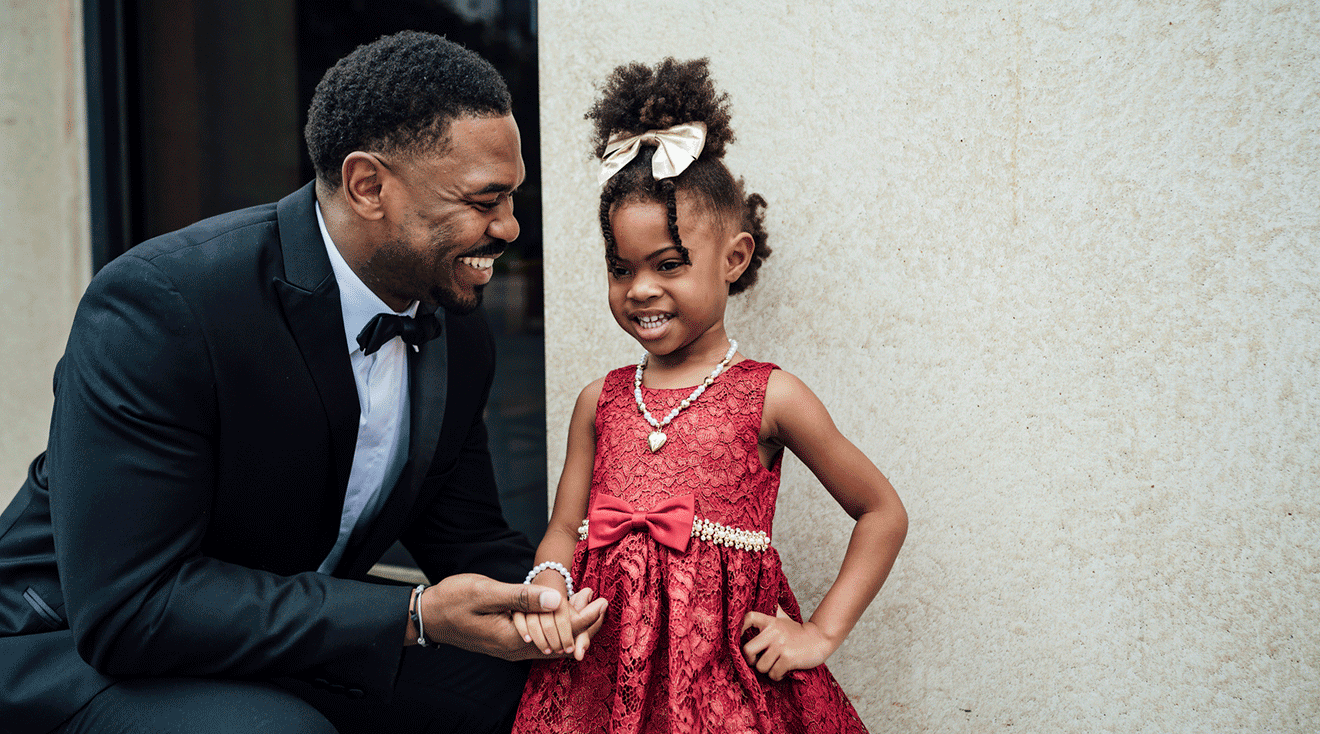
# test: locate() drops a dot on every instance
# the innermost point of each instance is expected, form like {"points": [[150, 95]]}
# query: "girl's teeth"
{"points": [[480, 263], [650, 322]]}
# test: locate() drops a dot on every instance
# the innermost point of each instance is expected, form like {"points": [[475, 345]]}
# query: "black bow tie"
{"points": [[385, 326]]}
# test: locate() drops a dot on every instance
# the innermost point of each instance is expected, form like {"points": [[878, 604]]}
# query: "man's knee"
{"points": [[196, 706]]}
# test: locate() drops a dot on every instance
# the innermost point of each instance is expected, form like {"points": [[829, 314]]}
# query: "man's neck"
{"points": [[351, 238]]}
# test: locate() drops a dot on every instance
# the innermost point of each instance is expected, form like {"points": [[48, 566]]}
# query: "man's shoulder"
{"points": [[221, 232], [218, 258]]}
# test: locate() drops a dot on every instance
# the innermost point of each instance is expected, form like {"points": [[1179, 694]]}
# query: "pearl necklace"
{"points": [[657, 438]]}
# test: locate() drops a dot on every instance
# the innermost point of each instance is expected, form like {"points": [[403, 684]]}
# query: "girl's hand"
{"points": [[552, 632], [783, 644]]}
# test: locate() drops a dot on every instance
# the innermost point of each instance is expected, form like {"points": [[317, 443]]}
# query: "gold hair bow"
{"points": [[676, 148]]}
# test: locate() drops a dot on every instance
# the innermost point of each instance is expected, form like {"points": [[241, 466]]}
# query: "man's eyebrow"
{"points": [[496, 188]]}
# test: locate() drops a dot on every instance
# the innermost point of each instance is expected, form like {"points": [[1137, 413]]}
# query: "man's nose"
{"points": [[505, 225]]}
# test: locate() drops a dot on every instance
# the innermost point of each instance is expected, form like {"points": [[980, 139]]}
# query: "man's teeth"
{"points": [[480, 263], [650, 322]]}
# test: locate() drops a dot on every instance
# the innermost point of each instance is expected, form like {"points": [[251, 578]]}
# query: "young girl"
{"points": [[668, 491]]}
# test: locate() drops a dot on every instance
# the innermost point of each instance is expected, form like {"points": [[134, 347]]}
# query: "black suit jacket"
{"points": [[204, 426]]}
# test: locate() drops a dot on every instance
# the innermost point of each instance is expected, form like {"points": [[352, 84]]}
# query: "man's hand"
{"points": [[475, 613], [556, 633]]}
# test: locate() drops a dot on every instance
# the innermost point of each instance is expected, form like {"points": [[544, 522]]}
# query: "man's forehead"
{"points": [[484, 153]]}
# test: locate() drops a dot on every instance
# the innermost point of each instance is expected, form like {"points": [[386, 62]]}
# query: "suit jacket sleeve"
{"points": [[462, 527], [132, 480]]}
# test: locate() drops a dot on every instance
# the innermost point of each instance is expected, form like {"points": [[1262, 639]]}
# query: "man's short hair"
{"points": [[397, 95]]}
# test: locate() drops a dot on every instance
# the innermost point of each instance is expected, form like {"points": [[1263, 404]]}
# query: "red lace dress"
{"points": [[668, 658]]}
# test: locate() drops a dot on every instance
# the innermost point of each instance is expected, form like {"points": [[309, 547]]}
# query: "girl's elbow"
{"points": [[890, 521], [900, 524]]}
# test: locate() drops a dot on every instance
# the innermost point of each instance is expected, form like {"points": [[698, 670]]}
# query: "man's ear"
{"points": [[363, 177], [737, 256]]}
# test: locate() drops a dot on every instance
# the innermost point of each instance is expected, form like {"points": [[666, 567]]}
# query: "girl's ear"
{"points": [[737, 256], [363, 176]]}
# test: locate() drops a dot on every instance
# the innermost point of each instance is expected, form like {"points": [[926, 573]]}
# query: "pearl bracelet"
{"points": [[551, 565]]}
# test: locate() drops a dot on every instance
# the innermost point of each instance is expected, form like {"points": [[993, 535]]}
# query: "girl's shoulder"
{"points": [[627, 370], [783, 385], [747, 363], [589, 396], [594, 387], [752, 369], [613, 380], [789, 400]]}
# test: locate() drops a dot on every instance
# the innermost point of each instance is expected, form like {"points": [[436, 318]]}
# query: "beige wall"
{"points": [[1053, 266], [45, 255]]}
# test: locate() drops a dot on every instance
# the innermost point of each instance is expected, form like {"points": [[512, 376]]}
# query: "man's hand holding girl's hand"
{"points": [[477, 613], [553, 632], [782, 644]]}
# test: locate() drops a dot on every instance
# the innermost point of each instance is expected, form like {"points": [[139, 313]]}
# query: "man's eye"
{"points": [[486, 206]]}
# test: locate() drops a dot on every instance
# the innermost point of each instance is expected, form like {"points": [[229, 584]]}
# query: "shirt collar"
{"points": [[356, 300]]}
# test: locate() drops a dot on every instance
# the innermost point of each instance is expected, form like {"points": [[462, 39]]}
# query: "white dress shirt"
{"points": [[382, 388]]}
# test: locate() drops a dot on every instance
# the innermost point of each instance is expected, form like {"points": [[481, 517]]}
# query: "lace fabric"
{"points": [[668, 658]]}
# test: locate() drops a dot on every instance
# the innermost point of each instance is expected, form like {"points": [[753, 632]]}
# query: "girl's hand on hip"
{"points": [[782, 644]]}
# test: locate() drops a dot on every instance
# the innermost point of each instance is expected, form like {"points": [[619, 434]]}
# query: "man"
{"points": [[238, 437]]}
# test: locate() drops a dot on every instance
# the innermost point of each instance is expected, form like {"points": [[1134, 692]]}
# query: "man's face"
{"points": [[450, 214]]}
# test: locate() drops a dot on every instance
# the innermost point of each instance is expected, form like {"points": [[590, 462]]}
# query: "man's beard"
{"points": [[409, 275], [451, 303]]}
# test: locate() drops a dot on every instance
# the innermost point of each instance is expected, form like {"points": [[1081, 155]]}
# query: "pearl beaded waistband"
{"points": [[716, 533]]}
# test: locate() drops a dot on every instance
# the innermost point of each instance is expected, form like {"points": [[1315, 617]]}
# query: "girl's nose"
{"points": [[643, 288], [505, 225]]}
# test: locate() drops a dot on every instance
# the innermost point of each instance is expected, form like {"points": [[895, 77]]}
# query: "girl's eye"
{"points": [[618, 271], [668, 265]]}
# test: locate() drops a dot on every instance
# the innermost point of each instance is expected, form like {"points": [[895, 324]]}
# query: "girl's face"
{"points": [[669, 307]]}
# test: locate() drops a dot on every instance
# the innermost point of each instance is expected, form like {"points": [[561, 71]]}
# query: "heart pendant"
{"points": [[656, 440]]}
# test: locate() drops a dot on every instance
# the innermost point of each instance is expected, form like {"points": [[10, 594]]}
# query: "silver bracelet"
{"points": [[416, 614], [549, 565]]}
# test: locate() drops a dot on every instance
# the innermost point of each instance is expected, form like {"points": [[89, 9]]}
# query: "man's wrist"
{"points": [[417, 625]]}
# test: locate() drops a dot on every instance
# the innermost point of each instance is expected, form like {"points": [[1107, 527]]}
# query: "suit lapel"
{"points": [[428, 385], [309, 296]]}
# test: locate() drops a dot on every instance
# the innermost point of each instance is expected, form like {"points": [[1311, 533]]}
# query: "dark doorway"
{"points": [[196, 108]]}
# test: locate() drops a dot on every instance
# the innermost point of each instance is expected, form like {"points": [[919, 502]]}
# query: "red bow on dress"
{"points": [[669, 522]]}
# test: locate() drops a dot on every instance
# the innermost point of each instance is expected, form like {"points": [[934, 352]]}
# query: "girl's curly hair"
{"points": [[636, 98]]}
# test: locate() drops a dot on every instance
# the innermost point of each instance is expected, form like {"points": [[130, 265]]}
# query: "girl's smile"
{"points": [[652, 327]]}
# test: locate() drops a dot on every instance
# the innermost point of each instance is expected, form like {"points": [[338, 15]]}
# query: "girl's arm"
{"points": [[796, 418], [551, 632]]}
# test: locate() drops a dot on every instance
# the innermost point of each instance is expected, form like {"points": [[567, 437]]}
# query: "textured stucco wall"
{"points": [[1053, 267], [45, 260]]}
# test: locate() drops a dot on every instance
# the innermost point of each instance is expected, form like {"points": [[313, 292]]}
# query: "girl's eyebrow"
{"points": [[655, 255], [661, 251]]}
